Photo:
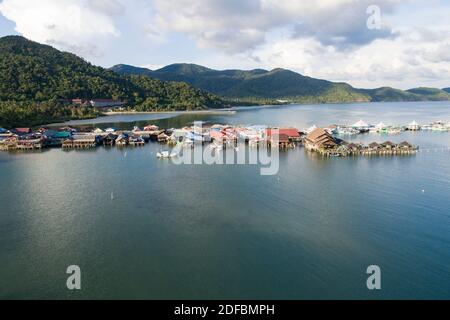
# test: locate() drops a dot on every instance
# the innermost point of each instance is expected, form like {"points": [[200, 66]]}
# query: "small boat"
{"points": [[163, 155], [342, 131], [394, 130]]}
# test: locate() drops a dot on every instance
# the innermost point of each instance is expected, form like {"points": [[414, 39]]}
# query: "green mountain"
{"points": [[34, 76], [253, 85], [278, 84]]}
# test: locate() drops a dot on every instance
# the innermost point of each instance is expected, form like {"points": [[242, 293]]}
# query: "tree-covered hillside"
{"points": [[253, 85], [33, 73], [279, 84]]}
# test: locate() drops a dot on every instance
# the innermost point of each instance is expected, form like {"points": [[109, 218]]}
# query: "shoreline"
{"points": [[218, 112]]}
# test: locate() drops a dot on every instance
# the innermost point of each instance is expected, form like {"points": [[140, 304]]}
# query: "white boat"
{"points": [[381, 127], [413, 126], [361, 126], [343, 131], [163, 155], [394, 130], [439, 128]]}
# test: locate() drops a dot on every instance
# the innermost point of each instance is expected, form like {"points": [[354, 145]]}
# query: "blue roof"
{"points": [[2, 130]]}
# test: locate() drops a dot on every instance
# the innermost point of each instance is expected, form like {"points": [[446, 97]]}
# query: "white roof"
{"points": [[380, 125], [360, 124], [414, 123], [98, 130], [110, 130]]}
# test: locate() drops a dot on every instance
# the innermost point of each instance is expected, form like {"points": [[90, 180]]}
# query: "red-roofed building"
{"points": [[21, 131], [292, 133]]}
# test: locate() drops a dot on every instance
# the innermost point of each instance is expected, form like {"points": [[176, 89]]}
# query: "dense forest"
{"points": [[24, 113], [279, 84], [33, 77]]}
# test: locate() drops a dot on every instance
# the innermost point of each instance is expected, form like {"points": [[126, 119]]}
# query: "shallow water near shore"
{"points": [[226, 232]]}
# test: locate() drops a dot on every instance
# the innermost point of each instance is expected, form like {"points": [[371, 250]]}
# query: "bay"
{"points": [[226, 232]]}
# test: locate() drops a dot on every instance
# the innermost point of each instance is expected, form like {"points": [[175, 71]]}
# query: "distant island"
{"points": [[40, 84]]}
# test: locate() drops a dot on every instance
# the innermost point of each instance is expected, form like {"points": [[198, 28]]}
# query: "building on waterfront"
{"points": [[405, 146], [110, 139], [292, 133], [279, 140], [122, 140], [374, 146], [388, 145], [81, 141], [22, 131], [320, 140], [8, 143], [55, 138], [31, 142]]}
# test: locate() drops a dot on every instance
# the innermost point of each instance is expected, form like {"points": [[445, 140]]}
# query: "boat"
{"points": [[343, 131], [394, 130], [163, 155], [379, 128], [413, 126], [439, 126], [361, 126]]}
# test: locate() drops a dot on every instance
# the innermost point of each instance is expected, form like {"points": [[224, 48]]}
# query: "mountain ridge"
{"points": [[279, 83]]}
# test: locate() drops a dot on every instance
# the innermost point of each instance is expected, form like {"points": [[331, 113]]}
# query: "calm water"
{"points": [[225, 232]]}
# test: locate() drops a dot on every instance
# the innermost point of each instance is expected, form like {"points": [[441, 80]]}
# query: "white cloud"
{"points": [[237, 26], [75, 25], [396, 62], [326, 39]]}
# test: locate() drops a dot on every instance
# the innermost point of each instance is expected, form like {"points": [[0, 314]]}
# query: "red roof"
{"points": [[290, 132], [281, 138], [22, 130]]}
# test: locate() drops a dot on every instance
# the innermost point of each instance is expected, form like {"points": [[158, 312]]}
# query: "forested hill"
{"points": [[254, 85], [279, 84], [35, 74]]}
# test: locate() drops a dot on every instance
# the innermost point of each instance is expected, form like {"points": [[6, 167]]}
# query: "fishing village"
{"points": [[328, 141]]}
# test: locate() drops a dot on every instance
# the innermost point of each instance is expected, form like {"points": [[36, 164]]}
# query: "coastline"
{"points": [[214, 112]]}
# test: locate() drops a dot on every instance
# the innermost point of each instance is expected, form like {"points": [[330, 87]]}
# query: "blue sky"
{"points": [[329, 39]]}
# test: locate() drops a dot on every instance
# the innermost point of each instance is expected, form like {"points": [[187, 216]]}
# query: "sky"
{"points": [[367, 43]]}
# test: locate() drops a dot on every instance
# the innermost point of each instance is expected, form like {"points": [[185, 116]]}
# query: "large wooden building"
{"points": [[320, 140]]}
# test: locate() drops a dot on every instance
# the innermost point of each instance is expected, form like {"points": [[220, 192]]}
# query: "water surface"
{"points": [[225, 232]]}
